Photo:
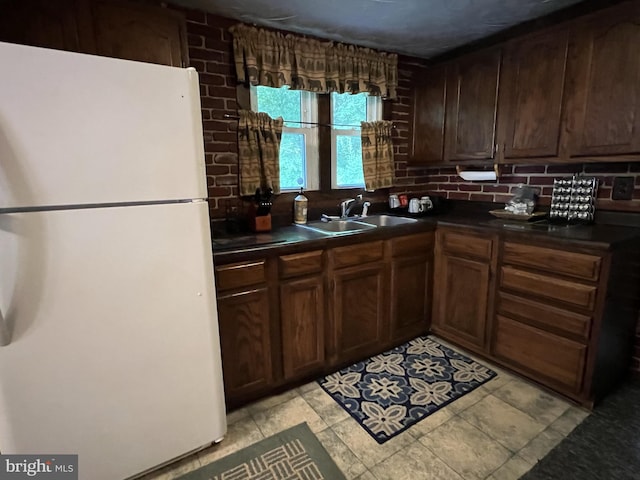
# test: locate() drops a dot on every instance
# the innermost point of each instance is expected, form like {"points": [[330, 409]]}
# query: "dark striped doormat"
{"points": [[293, 454]]}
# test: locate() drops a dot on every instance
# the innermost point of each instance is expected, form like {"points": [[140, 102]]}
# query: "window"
{"points": [[347, 111], [300, 146]]}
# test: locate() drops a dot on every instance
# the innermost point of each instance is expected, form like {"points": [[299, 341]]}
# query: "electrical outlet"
{"points": [[622, 188]]}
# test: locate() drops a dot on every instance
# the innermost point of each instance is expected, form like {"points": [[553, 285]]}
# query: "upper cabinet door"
{"points": [[427, 127], [61, 25], [472, 96], [139, 32], [603, 84], [531, 89]]}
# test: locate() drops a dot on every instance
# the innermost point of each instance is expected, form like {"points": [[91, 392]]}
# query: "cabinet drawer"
{"points": [[238, 275], [412, 245], [544, 315], [573, 264], [300, 264], [465, 244], [357, 254], [529, 283], [544, 354]]}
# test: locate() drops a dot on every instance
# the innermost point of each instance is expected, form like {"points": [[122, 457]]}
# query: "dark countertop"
{"points": [[288, 239]]}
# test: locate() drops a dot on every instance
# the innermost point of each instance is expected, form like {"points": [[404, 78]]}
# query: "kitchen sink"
{"points": [[335, 227], [357, 224], [386, 220]]}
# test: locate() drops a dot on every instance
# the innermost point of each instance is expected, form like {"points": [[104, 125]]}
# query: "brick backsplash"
{"points": [[445, 182]]}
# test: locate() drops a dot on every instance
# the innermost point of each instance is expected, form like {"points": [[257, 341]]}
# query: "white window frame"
{"points": [[309, 114], [374, 112]]}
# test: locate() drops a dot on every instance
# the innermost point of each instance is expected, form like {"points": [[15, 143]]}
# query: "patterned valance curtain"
{"points": [[258, 152], [377, 154], [272, 59]]}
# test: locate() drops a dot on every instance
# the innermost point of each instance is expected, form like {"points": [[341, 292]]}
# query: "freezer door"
{"points": [[114, 351], [96, 130]]}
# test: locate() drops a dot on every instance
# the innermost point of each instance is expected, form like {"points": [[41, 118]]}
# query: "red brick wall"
{"points": [[210, 53], [401, 115], [444, 181]]}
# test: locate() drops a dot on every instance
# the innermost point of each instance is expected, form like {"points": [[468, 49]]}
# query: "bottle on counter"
{"points": [[300, 204]]}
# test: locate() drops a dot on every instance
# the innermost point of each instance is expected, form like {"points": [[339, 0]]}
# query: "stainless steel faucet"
{"points": [[347, 205]]}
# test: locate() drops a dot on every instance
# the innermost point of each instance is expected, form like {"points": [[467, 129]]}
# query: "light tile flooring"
{"points": [[497, 432]]}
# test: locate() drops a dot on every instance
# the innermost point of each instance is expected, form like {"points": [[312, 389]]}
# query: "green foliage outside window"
{"points": [[349, 165], [285, 103], [280, 102], [347, 112]]}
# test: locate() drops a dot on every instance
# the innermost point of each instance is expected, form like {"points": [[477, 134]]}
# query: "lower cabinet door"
{"points": [[302, 319], [410, 297], [358, 306], [553, 359], [461, 292], [245, 336]]}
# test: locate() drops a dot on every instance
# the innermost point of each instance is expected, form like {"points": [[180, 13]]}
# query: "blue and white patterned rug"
{"points": [[388, 393]]}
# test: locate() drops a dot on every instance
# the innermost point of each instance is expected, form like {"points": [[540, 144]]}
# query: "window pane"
{"points": [[292, 161], [349, 165], [349, 109], [280, 102]]}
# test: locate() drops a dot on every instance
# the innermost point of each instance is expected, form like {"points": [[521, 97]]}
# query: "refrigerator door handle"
{"points": [[5, 335]]}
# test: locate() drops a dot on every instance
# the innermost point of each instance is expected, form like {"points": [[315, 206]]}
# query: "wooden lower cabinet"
{"points": [[560, 313], [245, 333], [545, 310], [549, 358], [565, 315], [302, 313], [462, 287], [410, 278], [359, 313], [410, 297], [246, 329]]}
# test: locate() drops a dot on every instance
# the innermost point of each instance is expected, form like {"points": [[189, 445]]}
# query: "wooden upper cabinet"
{"points": [[603, 94], [127, 30], [62, 25], [531, 91], [427, 126], [472, 97], [139, 32]]}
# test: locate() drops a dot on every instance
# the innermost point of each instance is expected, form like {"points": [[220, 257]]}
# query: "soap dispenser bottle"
{"points": [[300, 204]]}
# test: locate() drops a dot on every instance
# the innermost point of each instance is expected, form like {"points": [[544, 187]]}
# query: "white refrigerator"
{"points": [[109, 343]]}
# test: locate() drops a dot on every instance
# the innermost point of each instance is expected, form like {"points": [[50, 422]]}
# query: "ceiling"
{"points": [[420, 28]]}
